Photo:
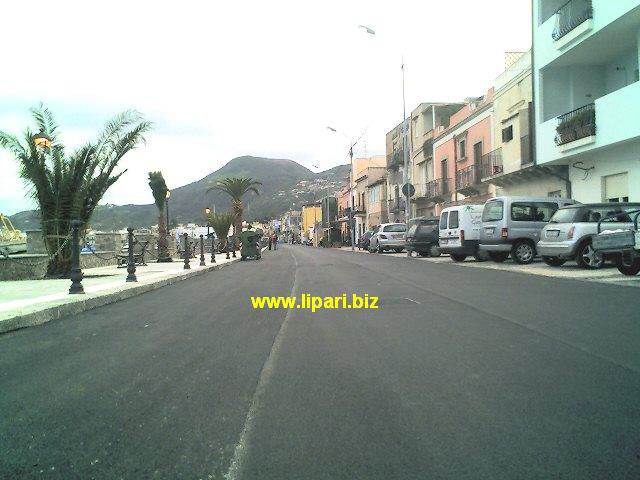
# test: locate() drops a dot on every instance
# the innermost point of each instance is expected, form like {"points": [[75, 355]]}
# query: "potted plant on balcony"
{"points": [[585, 123], [566, 131]]}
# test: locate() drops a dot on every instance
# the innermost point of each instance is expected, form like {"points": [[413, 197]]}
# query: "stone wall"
{"points": [[34, 267]]}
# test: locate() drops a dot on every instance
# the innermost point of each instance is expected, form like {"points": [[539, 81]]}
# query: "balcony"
{"points": [[396, 205], [576, 125], [468, 181], [437, 191], [427, 148], [491, 164], [395, 159], [570, 16]]}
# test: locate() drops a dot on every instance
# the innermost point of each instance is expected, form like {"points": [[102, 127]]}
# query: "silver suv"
{"points": [[569, 232]]}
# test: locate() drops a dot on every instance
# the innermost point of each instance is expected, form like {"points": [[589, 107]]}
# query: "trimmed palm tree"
{"points": [[221, 223], [159, 190], [65, 186], [236, 188]]}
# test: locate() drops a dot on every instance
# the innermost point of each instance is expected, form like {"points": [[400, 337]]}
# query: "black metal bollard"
{"points": [[202, 263], [235, 245], [187, 253], [131, 263], [76, 272], [226, 247], [213, 249]]}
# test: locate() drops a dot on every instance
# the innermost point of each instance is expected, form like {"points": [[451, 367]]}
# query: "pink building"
{"points": [[458, 152]]}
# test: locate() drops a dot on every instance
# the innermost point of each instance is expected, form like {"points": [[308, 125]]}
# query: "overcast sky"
{"points": [[224, 79]]}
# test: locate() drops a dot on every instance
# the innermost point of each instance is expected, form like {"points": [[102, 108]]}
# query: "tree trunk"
{"points": [[237, 224], [59, 265], [162, 237]]}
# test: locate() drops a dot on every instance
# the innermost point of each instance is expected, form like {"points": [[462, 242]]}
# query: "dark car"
{"points": [[422, 236], [365, 239]]}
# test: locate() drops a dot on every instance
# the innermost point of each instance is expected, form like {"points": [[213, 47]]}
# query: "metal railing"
{"points": [[396, 205], [571, 15], [491, 163], [467, 177], [577, 124], [437, 188]]}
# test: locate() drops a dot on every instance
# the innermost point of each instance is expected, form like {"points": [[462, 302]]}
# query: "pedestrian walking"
{"points": [[275, 241]]}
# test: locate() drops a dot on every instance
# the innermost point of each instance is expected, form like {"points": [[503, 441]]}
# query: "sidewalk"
{"points": [[25, 303]]}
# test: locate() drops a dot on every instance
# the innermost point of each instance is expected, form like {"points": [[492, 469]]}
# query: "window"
{"points": [[395, 227], [616, 188], [453, 219], [555, 194], [507, 134], [492, 211], [443, 220], [373, 194], [533, 211], [462, 154]]}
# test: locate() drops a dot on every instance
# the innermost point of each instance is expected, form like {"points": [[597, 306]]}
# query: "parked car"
{"points": [[363, 242], [390, 236], [459, 232], [623, 244], [422, 236], [569, 233], [512, 226]]}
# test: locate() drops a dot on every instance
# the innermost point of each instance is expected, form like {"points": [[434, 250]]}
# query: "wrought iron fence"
{"points": [[491, 163], [577, 124], [571, 15], [436, 188], [466, 177]]}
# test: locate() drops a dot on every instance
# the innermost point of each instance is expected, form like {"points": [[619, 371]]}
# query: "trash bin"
{"points": [[249, 244]]}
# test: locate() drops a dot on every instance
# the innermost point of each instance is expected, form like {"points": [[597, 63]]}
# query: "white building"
{"points": [[587, 94]]}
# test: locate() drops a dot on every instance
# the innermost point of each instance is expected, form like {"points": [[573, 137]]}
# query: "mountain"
{"points": [[285, 184]]}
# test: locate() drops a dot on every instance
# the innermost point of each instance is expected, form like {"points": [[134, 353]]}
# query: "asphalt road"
{"points": [[463, 373]]}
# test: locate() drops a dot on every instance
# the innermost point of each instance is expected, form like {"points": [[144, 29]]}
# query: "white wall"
{"points": [[619, 159]]}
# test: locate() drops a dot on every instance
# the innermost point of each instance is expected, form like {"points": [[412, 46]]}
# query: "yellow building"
{"points": [[311, 213]]}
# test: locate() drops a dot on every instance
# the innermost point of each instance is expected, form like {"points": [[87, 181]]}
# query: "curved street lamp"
{"points": [[41, 140]]}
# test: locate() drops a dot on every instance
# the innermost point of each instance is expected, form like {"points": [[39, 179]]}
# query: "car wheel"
{"points": [[456, 257], [554, 261], [434, 251], [398, 250], [423, 254], [588, 258], [523, 253], [498, 257], [380, 249], [628, 266]]}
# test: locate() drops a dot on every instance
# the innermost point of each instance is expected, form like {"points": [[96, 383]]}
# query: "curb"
{"points": [[53, 313]]}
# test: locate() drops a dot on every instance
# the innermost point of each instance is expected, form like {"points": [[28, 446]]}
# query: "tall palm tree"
{"points": [[159, 190], [236, 188], [221, 223], [69, 186]]}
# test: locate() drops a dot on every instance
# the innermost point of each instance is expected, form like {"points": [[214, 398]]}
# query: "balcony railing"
{"points": [[427, 148], [396, 205], [577, 124], [437, 189], [395, 159], [467, 177], [571, 15], [491, 163]]}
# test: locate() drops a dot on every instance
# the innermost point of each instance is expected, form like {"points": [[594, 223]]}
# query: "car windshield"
{"points": [[493, 211], [413, 230], [396, 227], [564, 215]]}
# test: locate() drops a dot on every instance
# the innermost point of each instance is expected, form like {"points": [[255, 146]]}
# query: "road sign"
{"points": [[408, 189]]}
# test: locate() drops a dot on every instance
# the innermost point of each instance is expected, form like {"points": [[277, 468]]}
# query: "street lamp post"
{"points": [[164, 256], [351, 206], [207, 212]]}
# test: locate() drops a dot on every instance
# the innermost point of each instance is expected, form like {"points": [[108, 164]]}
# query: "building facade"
{"points": [[458, 152], [395, 153], [511, 167], [586, 92]]}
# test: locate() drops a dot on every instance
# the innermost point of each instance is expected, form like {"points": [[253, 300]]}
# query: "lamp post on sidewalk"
{"points": [[351, 206]]}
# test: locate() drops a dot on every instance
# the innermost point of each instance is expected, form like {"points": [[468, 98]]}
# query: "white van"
{"points": [[459, 232]]}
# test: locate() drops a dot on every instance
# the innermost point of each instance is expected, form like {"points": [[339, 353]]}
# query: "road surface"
{"points": [[463, 373]]}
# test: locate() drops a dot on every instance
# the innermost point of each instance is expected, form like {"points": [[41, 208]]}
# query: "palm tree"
{"points": [[159, 190], [69, 187], [236, 188], [221, 223]]}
